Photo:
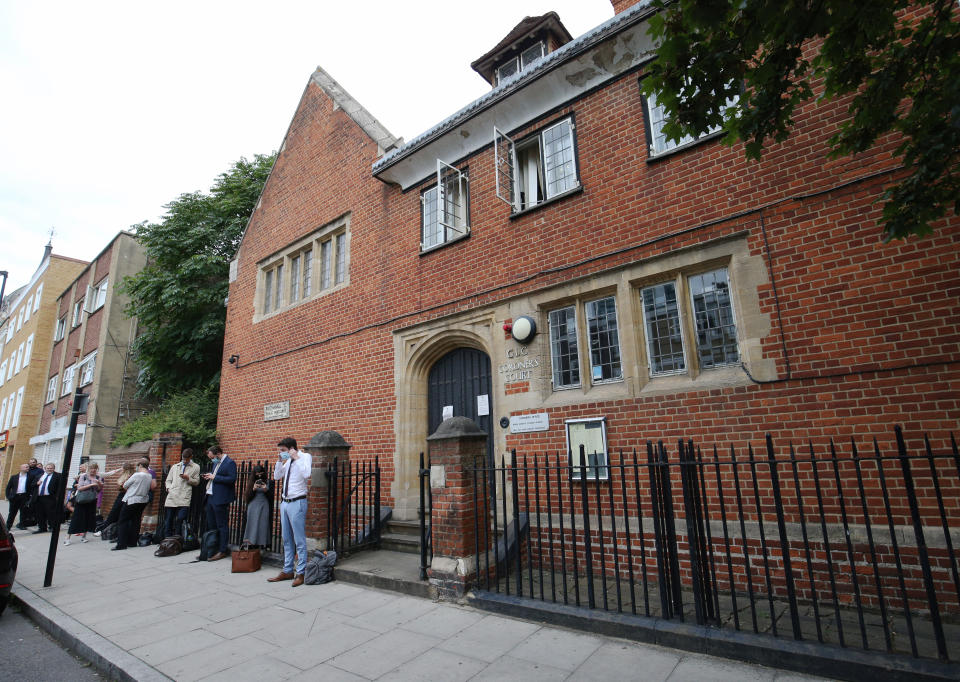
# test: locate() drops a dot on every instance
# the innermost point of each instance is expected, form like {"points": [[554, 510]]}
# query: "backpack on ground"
{"points": [[190, 541], [319, 569], [210, 544], [145, 540], [109, 533], [170, 546]]}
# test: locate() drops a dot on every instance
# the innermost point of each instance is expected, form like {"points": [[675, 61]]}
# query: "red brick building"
{"points": [[676, 290]]}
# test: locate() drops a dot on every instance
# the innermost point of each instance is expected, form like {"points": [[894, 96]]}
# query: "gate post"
{"points": [[324, 447], [455, 448]]}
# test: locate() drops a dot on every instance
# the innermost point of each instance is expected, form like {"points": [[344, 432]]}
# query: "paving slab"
{"points": [[140, 617]]}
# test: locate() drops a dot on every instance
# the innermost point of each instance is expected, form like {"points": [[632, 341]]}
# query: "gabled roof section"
{"points": [[548, 24], [352, 108], [375, 130]]}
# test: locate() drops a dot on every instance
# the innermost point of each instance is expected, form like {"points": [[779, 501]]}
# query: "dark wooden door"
{"points": [[456, 380]]}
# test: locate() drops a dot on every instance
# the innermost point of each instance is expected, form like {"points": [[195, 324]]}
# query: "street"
{"points": [[31, 654]]}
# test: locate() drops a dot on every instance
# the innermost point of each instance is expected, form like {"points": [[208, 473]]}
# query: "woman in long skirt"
{"points": [[84, 518], [259, 505], [126, 471]]}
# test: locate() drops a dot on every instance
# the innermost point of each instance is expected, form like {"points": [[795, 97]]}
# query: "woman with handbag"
{"points": [[126, 471], [259, 494], [84, 518]]}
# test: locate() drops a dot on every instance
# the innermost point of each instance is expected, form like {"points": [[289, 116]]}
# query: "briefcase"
{"points": [[245, 559]]}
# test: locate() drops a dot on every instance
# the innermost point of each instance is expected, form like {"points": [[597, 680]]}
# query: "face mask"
{"points": [[215, 460], [284, 455]]}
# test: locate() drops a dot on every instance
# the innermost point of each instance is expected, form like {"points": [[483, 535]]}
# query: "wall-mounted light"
{"points": [[523, 329], [233, 359]]}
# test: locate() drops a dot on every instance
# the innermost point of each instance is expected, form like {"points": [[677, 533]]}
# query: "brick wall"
{"points": [[862, 334]]}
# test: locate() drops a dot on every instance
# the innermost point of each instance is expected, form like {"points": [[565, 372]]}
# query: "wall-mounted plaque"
{"points": [[275, 411], [527, 423]]}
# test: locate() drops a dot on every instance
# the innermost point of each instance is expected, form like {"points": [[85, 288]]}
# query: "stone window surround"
{"points": [[329, 233]]}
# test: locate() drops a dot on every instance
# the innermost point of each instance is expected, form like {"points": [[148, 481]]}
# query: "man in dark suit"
{"points": [[28, 515], [45, 498], [18, 493], [221, 491]]}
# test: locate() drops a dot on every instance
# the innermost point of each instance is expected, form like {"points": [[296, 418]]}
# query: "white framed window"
{"points": [[19, 359], [20, 319], [12, 362], [99, 294], [588, 437], [3, 372], [60, 330], [445, 208], [27, 308], [51, 389], [709, 307], [87, 367], [3, 414], [290, 278], [564, 348], [520, 62], [10, 329], [28, 350], [77, 314], [16, 411], [36, 297], [537, 168], [66, 386], [656, 118]]}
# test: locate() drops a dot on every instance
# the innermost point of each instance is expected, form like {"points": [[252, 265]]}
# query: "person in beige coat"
{"points": [[181, 480]]}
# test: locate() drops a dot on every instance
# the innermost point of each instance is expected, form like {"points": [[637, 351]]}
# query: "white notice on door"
{"points": [[483, 405], [447, 412]]}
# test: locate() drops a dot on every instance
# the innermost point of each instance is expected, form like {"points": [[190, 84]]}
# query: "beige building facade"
{"points": [[25, 336]]}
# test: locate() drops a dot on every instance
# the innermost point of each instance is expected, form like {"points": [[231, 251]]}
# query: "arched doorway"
{"points": [[461, 382]]}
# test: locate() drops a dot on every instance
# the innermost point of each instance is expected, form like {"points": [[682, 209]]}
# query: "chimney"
{"points": [[47, 250], [620, 6]]}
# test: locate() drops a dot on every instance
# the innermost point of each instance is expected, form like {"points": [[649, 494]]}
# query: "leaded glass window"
{"points": [[563, 348]]}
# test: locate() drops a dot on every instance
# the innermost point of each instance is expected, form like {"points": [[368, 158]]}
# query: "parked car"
{"points": [[8, 564]]}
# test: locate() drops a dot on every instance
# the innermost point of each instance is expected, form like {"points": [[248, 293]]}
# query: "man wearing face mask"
{"points": [[221, 484], [293, 470]]}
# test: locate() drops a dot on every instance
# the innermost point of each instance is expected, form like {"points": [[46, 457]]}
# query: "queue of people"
{"points": [[34, 490]]}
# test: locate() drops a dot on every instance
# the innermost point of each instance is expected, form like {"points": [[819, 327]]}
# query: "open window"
{"points": [[445, 207], [537, 168]]}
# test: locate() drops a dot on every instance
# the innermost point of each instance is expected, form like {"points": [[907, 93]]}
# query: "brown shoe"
{"points": [[298, 580], [280, 577], [217, 556]]}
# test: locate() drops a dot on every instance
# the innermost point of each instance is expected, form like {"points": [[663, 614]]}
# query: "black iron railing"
{"points": [[824, 545], [425, 514], [353, 506]]}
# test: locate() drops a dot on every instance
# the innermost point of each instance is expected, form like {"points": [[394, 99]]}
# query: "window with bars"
{"points": [[710, 310], [445, 208], [564, 355], [538, 168], [291, 278]]}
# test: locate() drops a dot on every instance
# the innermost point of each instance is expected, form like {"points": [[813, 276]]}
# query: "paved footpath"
{"points": [[149, 618]]}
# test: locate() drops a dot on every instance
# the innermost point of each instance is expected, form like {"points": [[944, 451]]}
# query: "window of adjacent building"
{"points": [[517, 64], [19, 359], [3, 372], [12, 362], [656, 119], [67, 384], [60, 330], [16, 412], [51, 389], [28, 306], [87, 368], [537, 168], [3, 413], [564, 356], [20, 319], [445, 208], [10, 329], [28, 350], [291, 278], [36, 297], [603, 336], [589, 438], [77, 314], [711, 310], [99, 297]]}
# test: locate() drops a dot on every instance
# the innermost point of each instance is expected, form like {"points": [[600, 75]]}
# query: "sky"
{"points": [[110, 110]]}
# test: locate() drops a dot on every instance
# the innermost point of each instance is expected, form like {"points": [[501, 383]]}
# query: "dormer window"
{"points": [[516, 64]]}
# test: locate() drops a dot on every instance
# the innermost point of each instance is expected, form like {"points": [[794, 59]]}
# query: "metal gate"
{"points": [[353, 506]]}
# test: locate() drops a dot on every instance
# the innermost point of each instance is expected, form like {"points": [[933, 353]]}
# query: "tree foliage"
{"points": [[192, 413], [178, 299], [897, 60]]}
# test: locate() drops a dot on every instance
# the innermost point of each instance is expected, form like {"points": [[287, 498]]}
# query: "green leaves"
{"points": [[178, 299], [898, 62], [192, 413]]}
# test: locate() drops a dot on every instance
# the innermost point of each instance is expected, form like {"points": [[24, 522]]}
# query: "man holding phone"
{"points": [[293, 469]]}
